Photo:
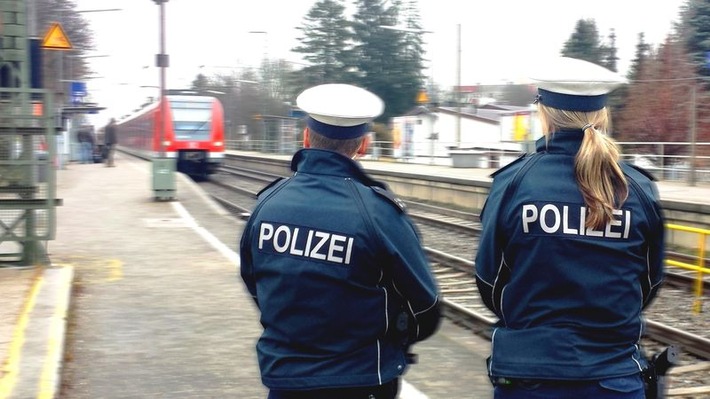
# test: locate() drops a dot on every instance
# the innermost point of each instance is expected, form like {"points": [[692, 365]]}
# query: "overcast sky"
{"points": [[498, 38]]}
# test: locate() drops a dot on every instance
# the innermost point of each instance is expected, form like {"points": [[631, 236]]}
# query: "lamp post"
{"points": [[264, 85], [458, 85], [162, 62], [163, 167], [266, 43]]}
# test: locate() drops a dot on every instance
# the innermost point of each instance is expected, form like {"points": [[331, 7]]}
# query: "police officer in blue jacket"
{"points": [[571, 251], [335, 265]]}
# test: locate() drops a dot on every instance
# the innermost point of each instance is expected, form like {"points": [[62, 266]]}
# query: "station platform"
{"points": [[675, 191], [142, 299]]}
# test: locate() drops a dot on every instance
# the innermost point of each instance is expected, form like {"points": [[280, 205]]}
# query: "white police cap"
{"points": [[574, 85], [340, 111]]}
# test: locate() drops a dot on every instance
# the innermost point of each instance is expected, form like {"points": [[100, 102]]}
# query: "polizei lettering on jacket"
{"points": [[546, 218], [305, 242]]}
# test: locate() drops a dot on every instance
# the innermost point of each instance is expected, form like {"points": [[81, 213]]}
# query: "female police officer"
{"points": [[335, 265], [571, 251]]}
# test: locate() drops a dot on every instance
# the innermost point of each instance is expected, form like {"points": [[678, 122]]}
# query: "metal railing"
{"points": [[671, 161], [699, 267], [668, 161]]}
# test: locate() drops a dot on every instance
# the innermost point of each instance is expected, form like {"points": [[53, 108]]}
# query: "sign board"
{"points": [[78, 92], [56, 39]]}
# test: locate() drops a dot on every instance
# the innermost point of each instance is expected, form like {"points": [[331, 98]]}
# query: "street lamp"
{"points": [[162, 62], [163, 167], [266, 43], [263, 79], [458, 85]]}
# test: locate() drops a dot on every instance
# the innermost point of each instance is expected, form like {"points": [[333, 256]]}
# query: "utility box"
{"points": [[164, 178], [469, 159]]}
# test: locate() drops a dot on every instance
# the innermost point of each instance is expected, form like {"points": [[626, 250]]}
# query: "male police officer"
{"points": [[335, 265]]}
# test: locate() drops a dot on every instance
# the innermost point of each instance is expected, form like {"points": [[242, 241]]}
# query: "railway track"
{"points": [[461, 301]]}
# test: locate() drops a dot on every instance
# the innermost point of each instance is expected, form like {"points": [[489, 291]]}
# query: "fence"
{"points": [[699, 267], [669, 161]]}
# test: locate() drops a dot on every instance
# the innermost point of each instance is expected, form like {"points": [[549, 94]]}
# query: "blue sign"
{"points": [[296, 113], [78, 92], [78, 89]]}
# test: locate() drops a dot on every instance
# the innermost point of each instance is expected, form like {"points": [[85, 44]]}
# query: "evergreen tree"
{"points": [[388, 61], [201, 83], [694, 32], [325, 44], [414, 40], [695, 20], [641, 56], [610, 59], [584, 43], [620, 97]]}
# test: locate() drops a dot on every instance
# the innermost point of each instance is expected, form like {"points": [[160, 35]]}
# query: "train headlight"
{"points": [[167, 143], [218, 143]]}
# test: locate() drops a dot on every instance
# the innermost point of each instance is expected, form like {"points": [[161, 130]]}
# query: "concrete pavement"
{"points": [[158, 309]]}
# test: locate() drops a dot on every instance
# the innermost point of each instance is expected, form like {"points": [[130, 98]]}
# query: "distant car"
{"points": [[648, 163], [644, 161]]}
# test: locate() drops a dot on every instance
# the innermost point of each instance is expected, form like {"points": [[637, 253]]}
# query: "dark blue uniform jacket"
{"points": [[568, 299], [332, 260]]}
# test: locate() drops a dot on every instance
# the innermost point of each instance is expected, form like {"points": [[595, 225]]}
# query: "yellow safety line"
{"points": [[116, 270], [48, 380], [8, 381]]}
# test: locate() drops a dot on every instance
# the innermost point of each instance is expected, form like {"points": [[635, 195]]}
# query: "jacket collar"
{"points": [[324, 162], [561, 142]]}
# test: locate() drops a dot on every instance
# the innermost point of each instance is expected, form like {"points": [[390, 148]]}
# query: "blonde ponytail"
{"points": [[600, 178]]}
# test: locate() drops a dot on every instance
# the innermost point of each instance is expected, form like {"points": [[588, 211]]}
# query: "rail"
{"points": [[699, 267]]}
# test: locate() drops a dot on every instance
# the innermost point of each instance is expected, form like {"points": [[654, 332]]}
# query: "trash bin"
{"points": [[164, 178], [469, 159], [375, 153]]}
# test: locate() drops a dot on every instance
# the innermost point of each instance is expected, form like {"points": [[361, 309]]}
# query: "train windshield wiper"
{"points": [[199, 128]]}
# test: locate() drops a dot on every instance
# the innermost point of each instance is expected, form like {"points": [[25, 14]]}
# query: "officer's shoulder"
{"points": [[641, 170], [390, 197], [515, 164], [272, 185]]}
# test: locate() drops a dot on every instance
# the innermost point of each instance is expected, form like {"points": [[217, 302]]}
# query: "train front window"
{"points": [[192, 120]]}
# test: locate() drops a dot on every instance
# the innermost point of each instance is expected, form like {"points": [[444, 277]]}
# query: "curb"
{"points": [[37, 347]]}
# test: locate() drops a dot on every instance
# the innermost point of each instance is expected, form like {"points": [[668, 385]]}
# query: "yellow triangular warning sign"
{"points": [[56, 39]]}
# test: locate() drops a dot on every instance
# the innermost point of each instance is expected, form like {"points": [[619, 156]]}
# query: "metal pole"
{"points": [[458, 85], [693, 136], [162, 64], [163, 167], [264, 87]]}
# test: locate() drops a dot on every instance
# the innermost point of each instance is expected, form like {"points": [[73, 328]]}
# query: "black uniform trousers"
{"points": [[387, 390]]}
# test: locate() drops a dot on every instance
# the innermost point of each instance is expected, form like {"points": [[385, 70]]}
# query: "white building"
{"points": [[490, 136]]}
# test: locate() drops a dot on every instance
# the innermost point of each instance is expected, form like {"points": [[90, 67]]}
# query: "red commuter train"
{"points": [[194, 133]]}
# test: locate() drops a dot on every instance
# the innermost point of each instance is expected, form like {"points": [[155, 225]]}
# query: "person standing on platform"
{"points": [[571, 251], [110, 141], [335, 265], [86, 144]]}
